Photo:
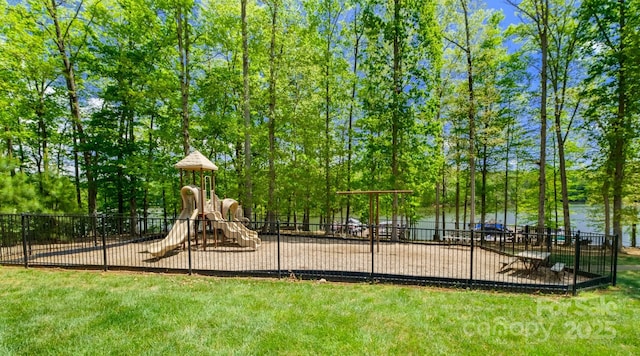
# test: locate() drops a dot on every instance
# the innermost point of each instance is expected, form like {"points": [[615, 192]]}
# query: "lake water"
{"points": [[584, 218]]}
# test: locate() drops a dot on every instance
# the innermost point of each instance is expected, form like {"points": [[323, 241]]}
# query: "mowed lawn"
{"points": [[61, 312]]}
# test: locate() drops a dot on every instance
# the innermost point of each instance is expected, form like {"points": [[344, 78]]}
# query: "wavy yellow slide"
{"points": [[235, 230], [178, 234]]}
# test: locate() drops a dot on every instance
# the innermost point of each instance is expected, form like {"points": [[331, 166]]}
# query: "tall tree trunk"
{"points": [[62, 42], [76, 167], [147, 176], [506, 176], [7, 131], [542, 8], [606, 199], [271, 203], [457, 194], [439, 204], [120, 183], [483, 190], [395, 113], [564, 188], [620, 128], [43, 161], [182, 30], [356, 48], [246, 106], [559, 72], [471, 118], [436, 226], [327, 138], [133, 178]]}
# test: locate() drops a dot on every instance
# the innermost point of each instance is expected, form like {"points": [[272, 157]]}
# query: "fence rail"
{"points": [[525, 259]]}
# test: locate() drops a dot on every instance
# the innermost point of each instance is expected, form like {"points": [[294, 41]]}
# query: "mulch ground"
{"points": [[304, 253]]}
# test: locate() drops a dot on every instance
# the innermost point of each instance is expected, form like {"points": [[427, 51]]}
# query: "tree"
{"points": [[274, 7], [328, 14], [537, 11], [183, 31], [68, 32], [562, 67], [465, 46], [403, 58], [612, 27], [246, 111], [357, 38]]}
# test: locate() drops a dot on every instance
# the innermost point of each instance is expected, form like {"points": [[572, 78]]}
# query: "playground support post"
{"points": [[203, 202]]}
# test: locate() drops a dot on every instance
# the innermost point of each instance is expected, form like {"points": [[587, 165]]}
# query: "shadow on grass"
{"points": [[628, 259], [629, 283]]}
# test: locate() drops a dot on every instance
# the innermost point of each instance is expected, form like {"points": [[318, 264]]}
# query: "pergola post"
{"points": [[377, 193]]}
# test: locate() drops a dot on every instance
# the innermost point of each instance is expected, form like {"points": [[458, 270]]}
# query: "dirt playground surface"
{"points": [[301, 253], [633, 251]]}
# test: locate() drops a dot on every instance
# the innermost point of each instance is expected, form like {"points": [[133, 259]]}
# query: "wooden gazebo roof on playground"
{"points": [[196, 161]]}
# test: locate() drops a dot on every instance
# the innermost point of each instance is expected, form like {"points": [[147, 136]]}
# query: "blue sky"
{"points": [[507, 9]]}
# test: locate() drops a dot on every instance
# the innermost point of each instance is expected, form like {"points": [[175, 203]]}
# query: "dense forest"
{"points": [[295, 100]]}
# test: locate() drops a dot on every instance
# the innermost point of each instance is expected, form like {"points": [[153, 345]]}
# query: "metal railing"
{"points": [[526, 259]]}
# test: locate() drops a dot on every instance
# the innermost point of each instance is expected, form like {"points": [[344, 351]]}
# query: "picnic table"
{"points": [[532, 260]]}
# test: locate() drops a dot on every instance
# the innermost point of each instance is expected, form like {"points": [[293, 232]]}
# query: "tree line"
{"points": [[297, 99]]}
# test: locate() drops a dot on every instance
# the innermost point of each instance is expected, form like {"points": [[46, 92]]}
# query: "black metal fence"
{"points": [[526, 259]]}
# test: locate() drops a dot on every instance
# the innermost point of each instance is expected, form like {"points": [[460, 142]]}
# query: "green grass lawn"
{"points": [[628, 260], [58, 312]]}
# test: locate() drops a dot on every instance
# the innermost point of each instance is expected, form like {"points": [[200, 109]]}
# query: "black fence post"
{"points": [[189, 244], [94, 228], [548, 239], [372, 253], [104, 243], [278, 245], [615, 260], [471, 259], [576, 263], [23, 218], [513, 240]]}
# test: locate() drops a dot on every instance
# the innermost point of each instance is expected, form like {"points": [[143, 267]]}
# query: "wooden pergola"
{"points": [[375, 194]]}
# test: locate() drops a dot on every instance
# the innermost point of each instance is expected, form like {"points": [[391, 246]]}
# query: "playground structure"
{"points": [[200, 205]]}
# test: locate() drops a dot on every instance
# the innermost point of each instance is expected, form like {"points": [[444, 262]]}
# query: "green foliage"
{"points": [[399, 130], [404, 95], [16, 194]]}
